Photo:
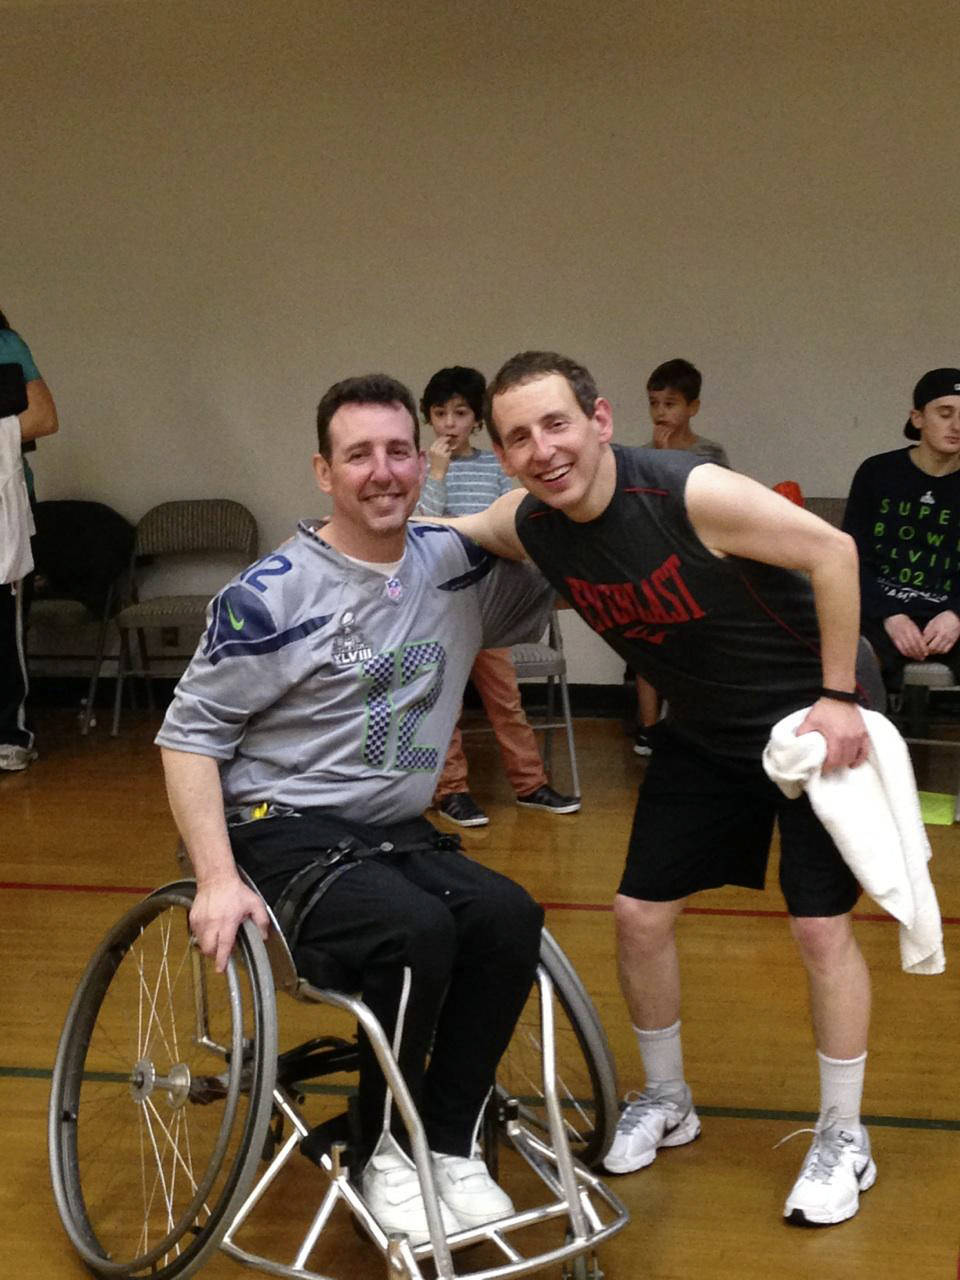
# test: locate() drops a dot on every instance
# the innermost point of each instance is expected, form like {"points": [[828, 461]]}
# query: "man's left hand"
{"points": [[942, 632], [844, 730]]}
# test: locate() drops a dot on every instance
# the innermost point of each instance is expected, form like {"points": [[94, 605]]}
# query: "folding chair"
{"points": [[195, 528]]}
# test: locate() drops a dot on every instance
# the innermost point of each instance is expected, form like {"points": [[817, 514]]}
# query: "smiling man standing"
{"points": [[740, 608], [904, 514], [302, 746], [463, 479]]}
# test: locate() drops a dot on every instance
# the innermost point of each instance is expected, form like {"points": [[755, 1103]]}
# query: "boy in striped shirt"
{"points": [[461, 481]]}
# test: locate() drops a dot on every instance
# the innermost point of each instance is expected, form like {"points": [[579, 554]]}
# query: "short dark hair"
{"points": [[527, 365], [369, 388], [457, 380], [677, 375]]}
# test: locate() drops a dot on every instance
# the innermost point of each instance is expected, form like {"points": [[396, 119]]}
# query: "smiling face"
{"points": [[556, 451], [939, 425], [455, 420], [373, 476]]}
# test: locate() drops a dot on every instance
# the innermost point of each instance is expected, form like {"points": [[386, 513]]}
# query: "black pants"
{"points": [[442, 949], [892, 660], [13, 668]]}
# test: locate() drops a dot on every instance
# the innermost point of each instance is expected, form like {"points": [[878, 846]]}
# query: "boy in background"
{"points": [[673, 392], [463, 480]]}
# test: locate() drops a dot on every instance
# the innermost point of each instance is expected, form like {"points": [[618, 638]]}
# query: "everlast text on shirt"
{"points": [[662, 599]]}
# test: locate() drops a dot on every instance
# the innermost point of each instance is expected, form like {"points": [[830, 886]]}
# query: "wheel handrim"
{"points": [[143, 1080]]}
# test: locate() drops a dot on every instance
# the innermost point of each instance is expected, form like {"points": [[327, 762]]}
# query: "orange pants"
{"points": [[495, 680]]}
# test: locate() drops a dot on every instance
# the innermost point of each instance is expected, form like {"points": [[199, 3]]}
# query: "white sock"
{"points": [[841, 1090], [662, 1055]]}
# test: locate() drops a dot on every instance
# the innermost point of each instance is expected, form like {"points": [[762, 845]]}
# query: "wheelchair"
{"points": [[174, 1119]]}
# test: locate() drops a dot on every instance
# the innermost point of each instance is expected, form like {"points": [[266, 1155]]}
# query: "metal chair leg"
{"points": [[122, 668], [915, 710], [565, 700], [97, 664], [145, 667], [548, 731]]}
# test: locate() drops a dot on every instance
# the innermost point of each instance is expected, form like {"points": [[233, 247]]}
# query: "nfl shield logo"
{"points": [[394, 590]]}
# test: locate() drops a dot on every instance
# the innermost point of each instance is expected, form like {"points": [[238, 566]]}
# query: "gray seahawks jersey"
{"points": [[319, 682]]}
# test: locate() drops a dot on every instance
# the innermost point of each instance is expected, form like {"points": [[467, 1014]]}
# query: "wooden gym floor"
{"points": [[86, 831]]}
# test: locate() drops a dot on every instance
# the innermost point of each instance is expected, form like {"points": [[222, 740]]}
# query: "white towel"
{"points": [[873, 814]]}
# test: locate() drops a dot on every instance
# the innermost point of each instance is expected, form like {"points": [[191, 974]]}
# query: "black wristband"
{"points": [[838, 695]]}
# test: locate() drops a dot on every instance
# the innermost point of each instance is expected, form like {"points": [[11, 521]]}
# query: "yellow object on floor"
{"points": [[936, 808]]}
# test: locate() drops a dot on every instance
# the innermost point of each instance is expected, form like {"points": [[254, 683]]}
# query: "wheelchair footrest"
{"points": [[320, 1140]]}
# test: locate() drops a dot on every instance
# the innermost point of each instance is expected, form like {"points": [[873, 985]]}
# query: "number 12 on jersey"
{"points": [[389, 671]]}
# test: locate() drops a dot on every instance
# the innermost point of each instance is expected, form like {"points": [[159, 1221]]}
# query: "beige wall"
{"points": [[213, 209]]}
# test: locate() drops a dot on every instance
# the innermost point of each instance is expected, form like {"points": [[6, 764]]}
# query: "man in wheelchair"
{"points": [[303, 744]]}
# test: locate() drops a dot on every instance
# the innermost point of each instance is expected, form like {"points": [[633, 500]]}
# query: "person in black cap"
{"points": [[904, 514]]}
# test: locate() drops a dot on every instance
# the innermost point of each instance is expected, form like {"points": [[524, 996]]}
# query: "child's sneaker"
{"points": [[837, 1168], [461, 808], [546, 798], [646, 1124]]}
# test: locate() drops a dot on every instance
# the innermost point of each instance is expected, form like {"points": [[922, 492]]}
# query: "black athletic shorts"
{"points": [[703, 821]]}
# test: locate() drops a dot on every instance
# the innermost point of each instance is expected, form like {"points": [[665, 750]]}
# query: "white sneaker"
{"points": [[837, 1168], [646, 1124], [392, 1191], [465, 1187], [13, 758]]}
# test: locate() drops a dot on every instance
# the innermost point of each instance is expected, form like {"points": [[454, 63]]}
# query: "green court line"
{"points": [[887, 1122], [720, 1113]]}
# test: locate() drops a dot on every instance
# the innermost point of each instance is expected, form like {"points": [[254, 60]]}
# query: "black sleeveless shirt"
{"points": [[732, 644]]}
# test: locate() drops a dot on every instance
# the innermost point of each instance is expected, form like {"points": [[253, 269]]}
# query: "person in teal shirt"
{"points": [[38, 419]]}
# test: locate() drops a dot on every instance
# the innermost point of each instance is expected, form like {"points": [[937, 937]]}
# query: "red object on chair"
{"points": [[790, 489]]}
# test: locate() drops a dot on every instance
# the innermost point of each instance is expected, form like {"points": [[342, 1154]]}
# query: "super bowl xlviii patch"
{"points": [[394, 590], [349, 646]]}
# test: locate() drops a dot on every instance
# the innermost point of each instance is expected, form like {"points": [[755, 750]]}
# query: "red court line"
{"points": [[751, 913], [139, 890]]}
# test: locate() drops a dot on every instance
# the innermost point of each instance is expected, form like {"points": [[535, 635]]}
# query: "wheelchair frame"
{"points": [[202, 1200]]}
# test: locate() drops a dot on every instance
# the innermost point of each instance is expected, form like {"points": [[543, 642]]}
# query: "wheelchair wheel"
{"points": [[586, 1077], [161, 1095]]}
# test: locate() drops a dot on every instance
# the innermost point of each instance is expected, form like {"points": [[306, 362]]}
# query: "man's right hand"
{"points": [[438, 455], [663, 436], [218, 910], [907, 637]]}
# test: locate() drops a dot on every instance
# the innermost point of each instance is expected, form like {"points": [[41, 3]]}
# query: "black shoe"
{"points": [[546, 798], [641, 743], [461, 808]]}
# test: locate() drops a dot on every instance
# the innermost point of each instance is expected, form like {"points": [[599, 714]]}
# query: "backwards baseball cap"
{"points": [[933, 385]]}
